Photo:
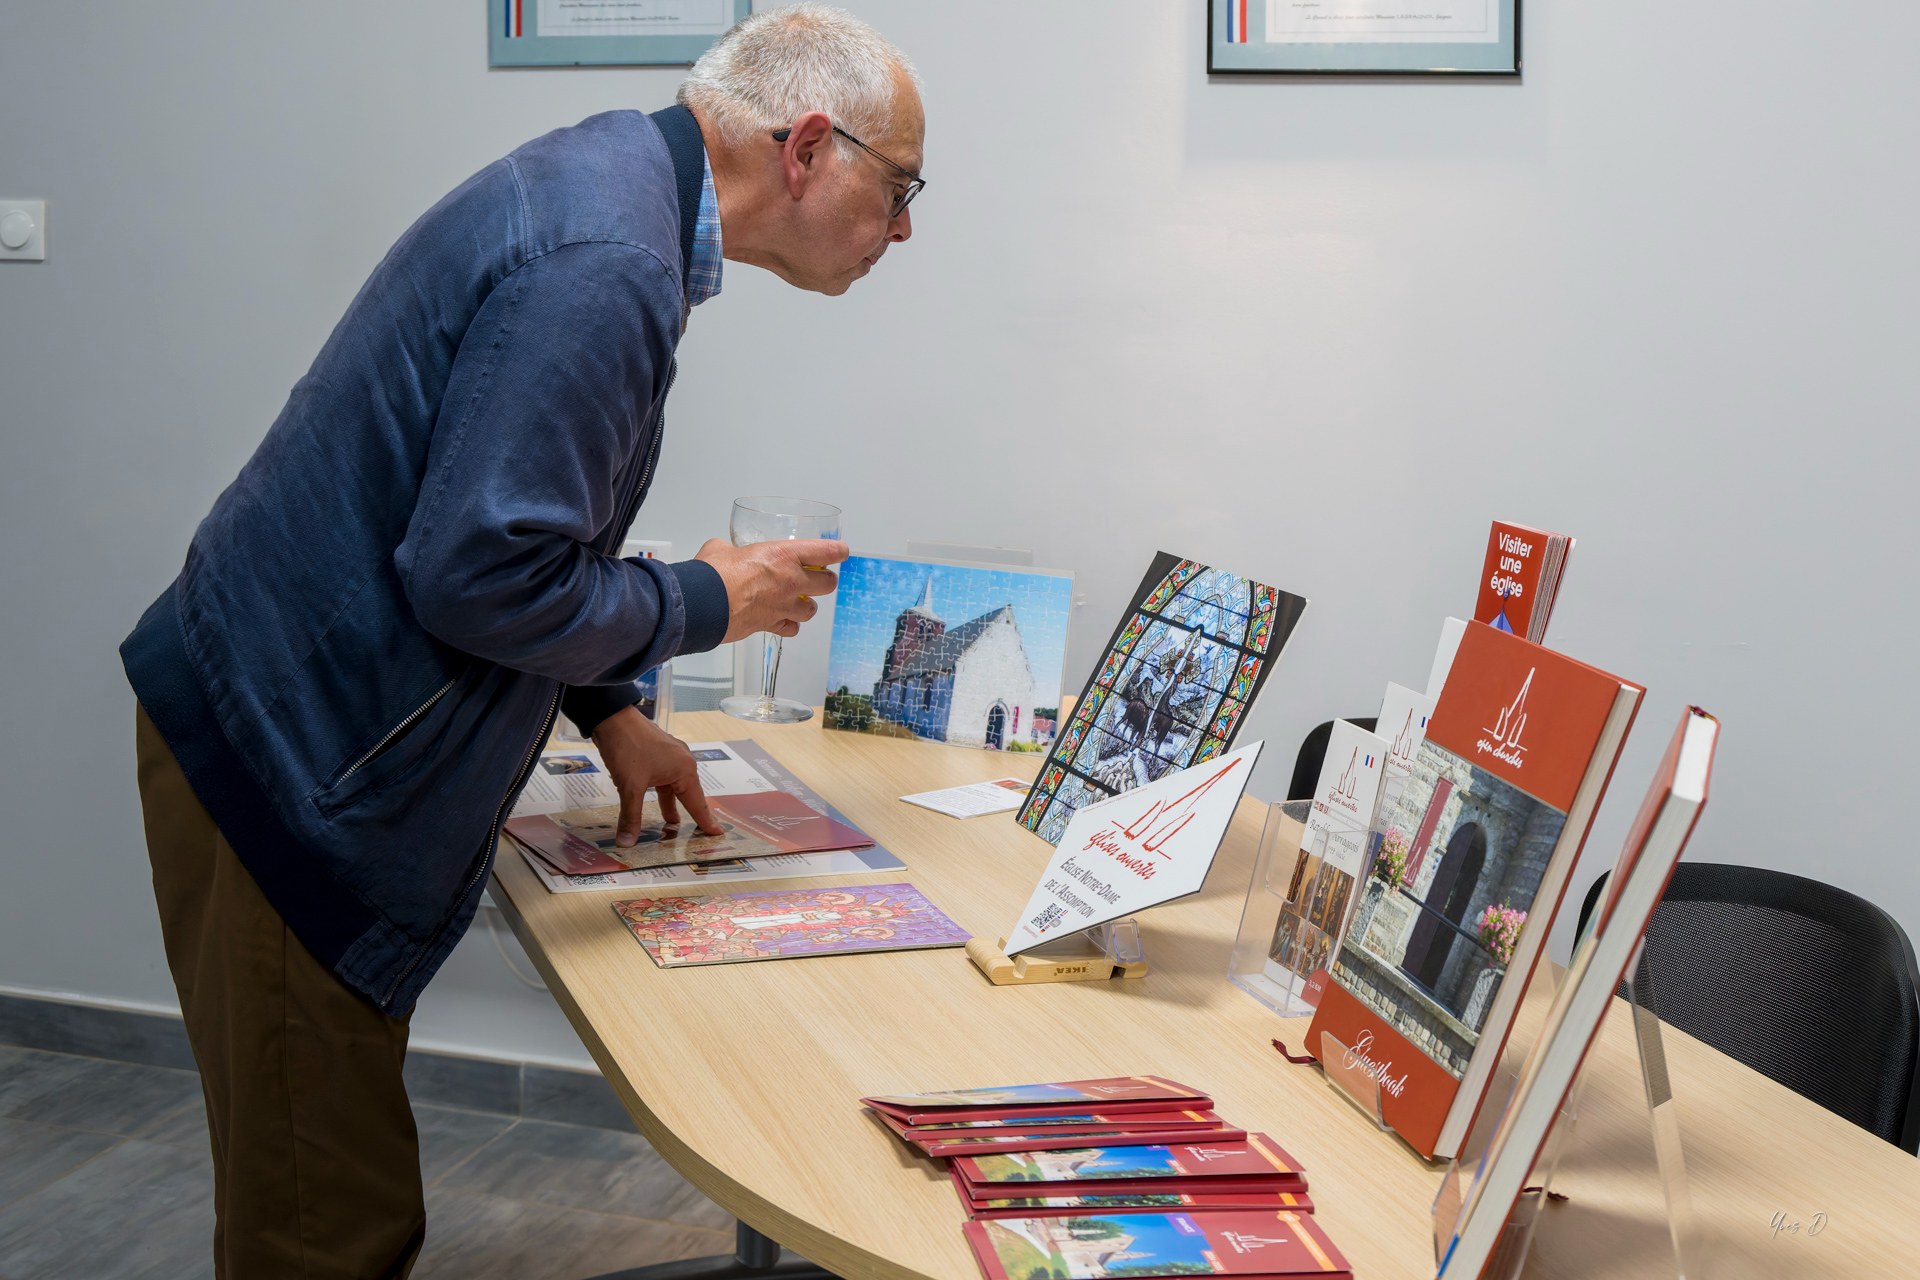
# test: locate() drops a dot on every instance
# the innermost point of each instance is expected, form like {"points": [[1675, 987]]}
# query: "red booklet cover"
{"points": [[1248, 1244], [1111, 1096], [1255, 1161], [1520, 579], [951, 1144]]}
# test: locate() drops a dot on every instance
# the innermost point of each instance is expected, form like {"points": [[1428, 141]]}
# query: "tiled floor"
{"points": [[104, 1174]]}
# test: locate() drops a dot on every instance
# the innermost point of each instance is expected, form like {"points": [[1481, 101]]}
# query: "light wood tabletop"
{"points": [[746, 1077]]}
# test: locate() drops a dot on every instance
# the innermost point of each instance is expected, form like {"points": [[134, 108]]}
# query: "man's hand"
{"points": [[770, 585], [641, 757]]}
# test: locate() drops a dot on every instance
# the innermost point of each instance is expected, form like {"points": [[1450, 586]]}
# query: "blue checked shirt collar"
{"points": [[703, 275]]}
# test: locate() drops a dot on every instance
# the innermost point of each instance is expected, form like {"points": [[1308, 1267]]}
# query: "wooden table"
{"points": [[746, 1077]]}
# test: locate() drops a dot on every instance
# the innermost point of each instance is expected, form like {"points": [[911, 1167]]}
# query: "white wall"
{"points": [[1658, 295]]}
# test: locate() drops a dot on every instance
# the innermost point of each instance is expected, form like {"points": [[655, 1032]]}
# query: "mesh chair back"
{"points": [[1809, 984], [1313, 752]]}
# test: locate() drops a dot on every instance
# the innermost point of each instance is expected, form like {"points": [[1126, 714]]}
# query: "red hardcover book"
{"points": [[1469, 1227], [1112, 1096], [994, 1144], [1424, 989], [1256, 1162], [1521, 579], [1244, 1244]]}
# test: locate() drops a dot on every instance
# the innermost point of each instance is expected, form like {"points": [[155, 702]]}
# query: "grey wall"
{"points": [[1659, 295]]}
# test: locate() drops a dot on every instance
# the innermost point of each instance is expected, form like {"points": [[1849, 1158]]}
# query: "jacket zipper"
{"points": [[546, 727], [486, 846], [396, 731], [653, 454]]}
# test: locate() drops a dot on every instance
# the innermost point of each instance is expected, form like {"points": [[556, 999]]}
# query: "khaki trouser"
{"points": [[316, 1164]]}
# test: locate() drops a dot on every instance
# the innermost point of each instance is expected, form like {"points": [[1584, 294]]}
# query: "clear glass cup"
{"points": [[776, 520]]}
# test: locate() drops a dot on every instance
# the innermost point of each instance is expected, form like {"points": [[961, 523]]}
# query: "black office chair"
{"points": [[1801, 981], [1313, 752]]}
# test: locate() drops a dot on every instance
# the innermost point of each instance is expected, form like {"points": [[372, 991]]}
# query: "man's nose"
{"points": [[900, 227]]}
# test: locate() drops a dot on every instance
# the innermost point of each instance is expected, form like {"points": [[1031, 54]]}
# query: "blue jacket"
{"points": [[377, 621]]}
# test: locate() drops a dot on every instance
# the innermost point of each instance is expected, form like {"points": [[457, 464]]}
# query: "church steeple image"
{"points": [[913, 631]]}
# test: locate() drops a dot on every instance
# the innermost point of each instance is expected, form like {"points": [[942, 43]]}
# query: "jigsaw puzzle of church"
{"points": [[971, 657]]}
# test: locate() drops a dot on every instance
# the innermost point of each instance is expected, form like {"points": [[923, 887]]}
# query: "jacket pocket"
{"points": [[390, 759]]}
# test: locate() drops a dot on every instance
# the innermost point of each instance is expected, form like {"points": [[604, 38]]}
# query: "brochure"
{"points": [[1255, 1160], [729, 928], [1113, 1095], [573, 776], [1241, 1244], [1077, 1206], [974, 799], [786, 866]]}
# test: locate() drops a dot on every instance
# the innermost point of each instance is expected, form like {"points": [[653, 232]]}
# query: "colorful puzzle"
{"points": [[963, 654], [1171, 689]]}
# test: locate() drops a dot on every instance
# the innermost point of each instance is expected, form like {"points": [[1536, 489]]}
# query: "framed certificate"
{"points": [[606, 33], [1363, 37]]}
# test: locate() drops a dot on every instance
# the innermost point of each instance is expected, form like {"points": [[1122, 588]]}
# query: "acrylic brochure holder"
{"points": [[1257, 966], [1111, 950], [1510, 1258]]}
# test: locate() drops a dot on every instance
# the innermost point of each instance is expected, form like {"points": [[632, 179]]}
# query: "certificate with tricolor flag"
{"points": [[1363, 37], [583, 33]]}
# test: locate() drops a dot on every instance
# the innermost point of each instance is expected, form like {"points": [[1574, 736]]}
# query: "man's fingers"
{"points": [[696, 801], [815, 552], [669, 811], [818, 582], [633, 810]]}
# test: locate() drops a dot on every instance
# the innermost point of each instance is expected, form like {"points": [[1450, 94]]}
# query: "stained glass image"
{"points": [[1182, 665]]}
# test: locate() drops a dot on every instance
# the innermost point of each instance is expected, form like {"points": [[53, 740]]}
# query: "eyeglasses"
{"points": [[915, 183]]}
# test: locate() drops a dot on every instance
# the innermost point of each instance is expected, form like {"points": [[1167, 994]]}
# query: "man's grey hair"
{"points": [[776, 66]]}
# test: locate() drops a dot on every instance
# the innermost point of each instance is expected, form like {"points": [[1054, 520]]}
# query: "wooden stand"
{"points": [[1111, 951]]}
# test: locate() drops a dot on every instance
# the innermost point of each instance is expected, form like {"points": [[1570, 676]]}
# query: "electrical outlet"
{"points": [[23, 230]]}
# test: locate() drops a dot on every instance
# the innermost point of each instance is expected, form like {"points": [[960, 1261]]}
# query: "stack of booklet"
{"points": [[1133, 1175]]}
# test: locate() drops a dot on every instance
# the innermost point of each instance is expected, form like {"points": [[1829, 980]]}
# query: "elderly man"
{"points": [[345, 687]]}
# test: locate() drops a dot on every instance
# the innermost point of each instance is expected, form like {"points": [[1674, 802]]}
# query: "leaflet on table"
{"points": [[1141, 848], [974, 799], [785, 866], [728, 928], [1245, 1244], [1328, 864], [1122, 1134], [1112, 1094], [1079, 1122], [1145, 1202], [1255, 1159], [574, 777]]}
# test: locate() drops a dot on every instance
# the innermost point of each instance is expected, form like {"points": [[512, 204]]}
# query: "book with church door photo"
{"points": [[1452, 919], [1187, 658], [968, 655]]}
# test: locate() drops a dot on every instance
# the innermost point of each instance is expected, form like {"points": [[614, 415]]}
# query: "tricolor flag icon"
{"points": [[515, 19], [1369, 762], [1236, 21]]}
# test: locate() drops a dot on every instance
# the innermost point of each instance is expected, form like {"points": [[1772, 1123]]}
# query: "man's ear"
{"points": [[804, 151]]}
